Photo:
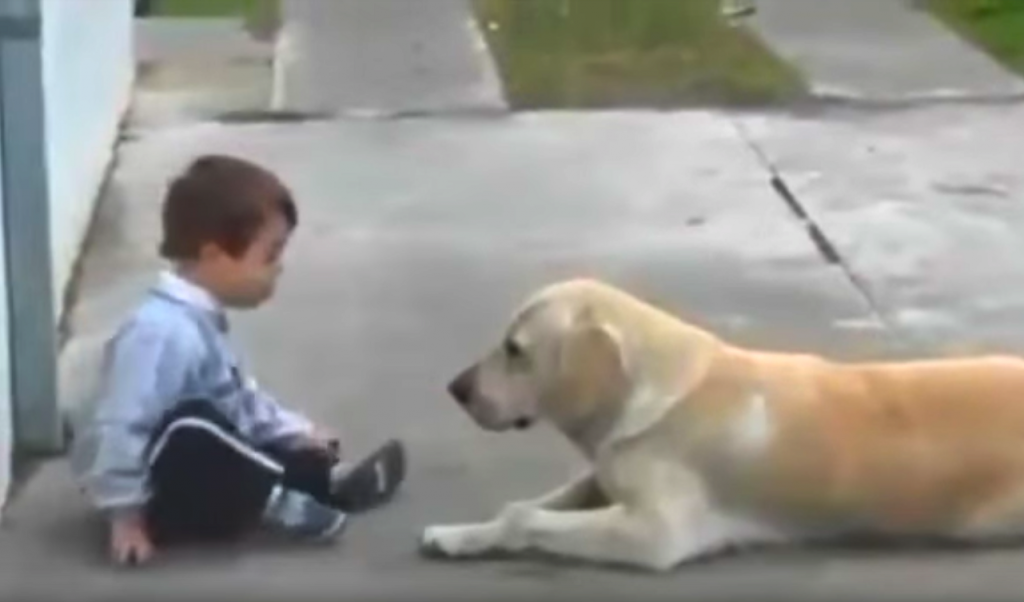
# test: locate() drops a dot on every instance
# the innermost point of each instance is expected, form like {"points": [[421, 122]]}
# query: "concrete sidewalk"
{"points": [[384, 56], [197, 69], [879, 50]]}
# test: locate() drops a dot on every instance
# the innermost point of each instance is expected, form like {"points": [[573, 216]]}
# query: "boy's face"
{"points": [[249, 280]]}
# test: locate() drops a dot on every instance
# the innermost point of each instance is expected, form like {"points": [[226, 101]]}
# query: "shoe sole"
{"points": [[360, 489], [332, 532]]}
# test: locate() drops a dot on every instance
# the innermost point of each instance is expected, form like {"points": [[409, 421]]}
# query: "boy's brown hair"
{"points": [[221, 200]]}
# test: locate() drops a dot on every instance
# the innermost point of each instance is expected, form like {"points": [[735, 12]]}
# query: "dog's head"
{"points": [[563, 358]]}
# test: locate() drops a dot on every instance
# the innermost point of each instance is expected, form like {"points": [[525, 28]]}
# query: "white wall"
{"points": [[6, 434], [88, 70]]}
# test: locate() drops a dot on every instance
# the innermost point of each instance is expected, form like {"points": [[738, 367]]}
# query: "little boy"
{"points": [[183, 445]]}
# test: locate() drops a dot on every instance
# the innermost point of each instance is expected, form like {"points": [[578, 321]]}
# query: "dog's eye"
{"points": [[513, 349]]}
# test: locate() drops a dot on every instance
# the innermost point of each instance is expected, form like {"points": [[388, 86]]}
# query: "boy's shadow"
{"points": [[83, 537]]}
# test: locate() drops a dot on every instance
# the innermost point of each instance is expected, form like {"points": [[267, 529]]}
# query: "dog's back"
{"points": [[917, 447]]}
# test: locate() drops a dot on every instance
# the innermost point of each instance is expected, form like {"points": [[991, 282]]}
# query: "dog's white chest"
{"points": [[752, 430]]}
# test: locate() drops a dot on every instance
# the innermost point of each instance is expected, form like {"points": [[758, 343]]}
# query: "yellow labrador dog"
{"points": [[696, 445]]}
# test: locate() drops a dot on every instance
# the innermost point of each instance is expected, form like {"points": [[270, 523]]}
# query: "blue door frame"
{"points": [[37, 425]]}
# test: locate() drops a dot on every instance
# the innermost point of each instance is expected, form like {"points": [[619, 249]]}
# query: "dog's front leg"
{"points": [[483, 538], [613, 534]]}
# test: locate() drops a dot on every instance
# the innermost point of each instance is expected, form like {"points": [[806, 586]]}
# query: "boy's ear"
{"points": [[210, 252]]}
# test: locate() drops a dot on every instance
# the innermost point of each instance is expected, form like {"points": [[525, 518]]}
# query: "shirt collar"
{"points": [[179, 289]]}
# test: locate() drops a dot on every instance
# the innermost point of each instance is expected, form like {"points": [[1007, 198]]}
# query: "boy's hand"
{"points": [[129, 540], [322, 441]]}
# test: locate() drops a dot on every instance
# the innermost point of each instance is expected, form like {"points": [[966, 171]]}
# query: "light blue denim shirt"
{"points": [[173, 348]]}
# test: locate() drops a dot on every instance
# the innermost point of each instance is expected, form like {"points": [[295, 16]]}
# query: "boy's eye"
{"points": [[274, 255]]}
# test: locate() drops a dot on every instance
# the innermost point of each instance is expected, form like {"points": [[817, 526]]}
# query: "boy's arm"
{"points": [[272, 423], [146, 369]]}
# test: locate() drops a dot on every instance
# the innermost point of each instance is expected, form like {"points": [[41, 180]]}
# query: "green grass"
{"points": [[210, 8], [613, 53], [260, 16], [996, 26]]}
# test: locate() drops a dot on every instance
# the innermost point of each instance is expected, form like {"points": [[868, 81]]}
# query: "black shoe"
{"points": [[371, 482]]}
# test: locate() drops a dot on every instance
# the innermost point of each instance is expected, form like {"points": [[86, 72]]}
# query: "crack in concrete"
{"points": [[826, 248]]}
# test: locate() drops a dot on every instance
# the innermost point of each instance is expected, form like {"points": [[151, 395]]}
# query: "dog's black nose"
{"points": [[462, 386]]}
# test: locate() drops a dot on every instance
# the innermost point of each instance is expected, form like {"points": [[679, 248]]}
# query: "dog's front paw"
{"points": [[457, 541], [435, 543]]}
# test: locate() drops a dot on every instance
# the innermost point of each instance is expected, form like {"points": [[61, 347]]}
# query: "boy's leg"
{"points": [[208, 484], [350, 487]]}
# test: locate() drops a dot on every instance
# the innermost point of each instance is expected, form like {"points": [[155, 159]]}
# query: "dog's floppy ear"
{"points": [[661, 379], [593, 356], [593, 376]]}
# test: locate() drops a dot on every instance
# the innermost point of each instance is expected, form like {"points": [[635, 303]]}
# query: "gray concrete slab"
{"points": [[418, 238], [385, 56], [926, 206], [196, 69], [879, 50], [160, 39]]}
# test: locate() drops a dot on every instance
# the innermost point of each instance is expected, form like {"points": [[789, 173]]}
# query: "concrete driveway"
{"points": [[418, 237]]}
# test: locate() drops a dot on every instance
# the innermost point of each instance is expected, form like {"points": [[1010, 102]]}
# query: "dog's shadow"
{"points": [[851, 548]]}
